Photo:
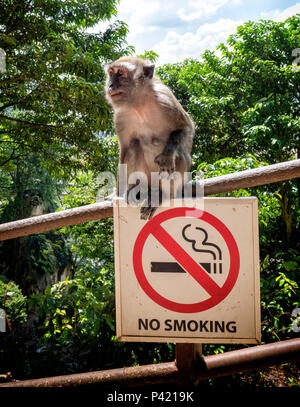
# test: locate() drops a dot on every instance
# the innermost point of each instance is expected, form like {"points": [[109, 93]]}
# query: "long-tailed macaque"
{"points": [[155, 133]]}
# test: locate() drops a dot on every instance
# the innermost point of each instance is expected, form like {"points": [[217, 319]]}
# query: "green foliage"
{"points": [[247, 100], [52, 100], [229, 165], [151, 55], [31, 191], [28, 186], [77, 311], [13, 302], [77, 323], [49, 253], [280, 294], [90, 242]]}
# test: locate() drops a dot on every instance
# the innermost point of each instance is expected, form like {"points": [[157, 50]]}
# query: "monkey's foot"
{"points": [[166, 164], [147, 212]]}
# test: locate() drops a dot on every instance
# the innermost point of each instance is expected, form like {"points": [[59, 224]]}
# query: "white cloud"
{"points": [[175, 47], [281, 15], [139, 14], [171, 27], [196, 9], [177, 30]]}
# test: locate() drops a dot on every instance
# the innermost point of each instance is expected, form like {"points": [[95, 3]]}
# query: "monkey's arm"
{"points": [[166, 159]]}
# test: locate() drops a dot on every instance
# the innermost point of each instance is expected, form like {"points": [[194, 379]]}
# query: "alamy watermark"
{"points": [[296, 322], [137, 189], [296, 53], [2, 61], [2, 320]]}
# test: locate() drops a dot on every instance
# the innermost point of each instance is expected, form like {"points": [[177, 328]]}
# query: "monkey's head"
{"points": [[127, 79]]}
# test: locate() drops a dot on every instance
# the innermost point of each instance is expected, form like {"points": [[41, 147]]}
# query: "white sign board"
{"points": [[188, 274]]}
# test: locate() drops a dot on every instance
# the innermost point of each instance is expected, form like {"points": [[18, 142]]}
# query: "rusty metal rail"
{"points": [[223, 364], [225, 183]]}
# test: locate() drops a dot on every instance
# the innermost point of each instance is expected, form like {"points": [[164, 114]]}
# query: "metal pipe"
{"points": [[43, 223], [225, 183], [137, 375], [206, 367], [252, 358]]}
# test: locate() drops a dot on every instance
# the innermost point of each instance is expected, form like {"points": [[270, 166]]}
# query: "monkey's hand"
{"points": [[166, 163]]}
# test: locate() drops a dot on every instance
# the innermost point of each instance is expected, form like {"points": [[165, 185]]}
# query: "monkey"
{"points": [[155, 133]]}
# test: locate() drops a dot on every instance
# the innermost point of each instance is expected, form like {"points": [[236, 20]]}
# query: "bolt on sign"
{"points": [[189, 274]]}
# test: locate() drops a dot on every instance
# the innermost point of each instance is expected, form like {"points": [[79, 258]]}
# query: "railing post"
{"points": [[187, 359]]}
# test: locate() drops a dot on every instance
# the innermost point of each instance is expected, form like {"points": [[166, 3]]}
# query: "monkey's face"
{"points": [[118, 85], [127, 79]]}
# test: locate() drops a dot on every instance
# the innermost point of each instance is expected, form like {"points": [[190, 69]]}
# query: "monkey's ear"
{"points": [[148, 71]]}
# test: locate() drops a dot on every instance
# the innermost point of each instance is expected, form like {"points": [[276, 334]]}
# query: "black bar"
{"points": [[166, 267], [171, 267]]}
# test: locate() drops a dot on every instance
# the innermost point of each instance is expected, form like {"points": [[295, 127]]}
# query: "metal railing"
{"points": [[224, 183], [200, 368], [189, 365]]}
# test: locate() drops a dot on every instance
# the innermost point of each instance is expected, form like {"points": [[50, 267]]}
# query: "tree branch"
{"points": [[15, 79], [18, 102], [10, 158], [30, 124]]}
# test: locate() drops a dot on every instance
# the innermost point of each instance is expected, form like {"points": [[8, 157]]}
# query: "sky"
{"points": [[177, 29]]}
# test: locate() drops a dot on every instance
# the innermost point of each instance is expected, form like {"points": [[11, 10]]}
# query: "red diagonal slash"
{"points": [[185, 260]]}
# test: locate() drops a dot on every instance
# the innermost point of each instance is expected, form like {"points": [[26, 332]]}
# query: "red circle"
{"points": [[155, 222]]}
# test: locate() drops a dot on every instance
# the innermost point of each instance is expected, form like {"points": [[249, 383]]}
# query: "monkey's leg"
{"points": [[166, 159], [147, 211], [133, 157]]}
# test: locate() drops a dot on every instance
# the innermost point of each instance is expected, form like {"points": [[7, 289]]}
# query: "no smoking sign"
{"points": [[188, 274]]}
